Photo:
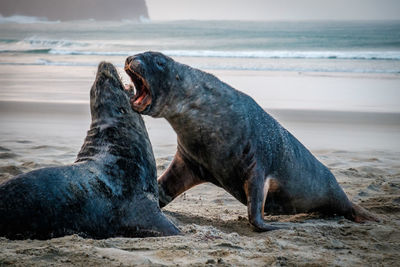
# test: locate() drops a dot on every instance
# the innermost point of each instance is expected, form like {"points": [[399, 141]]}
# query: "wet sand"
{"points": [[361, 148], [216, 230], [215, 226]]}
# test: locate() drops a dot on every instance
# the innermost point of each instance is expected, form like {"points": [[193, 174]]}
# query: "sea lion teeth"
{"points": [[142, 98]]}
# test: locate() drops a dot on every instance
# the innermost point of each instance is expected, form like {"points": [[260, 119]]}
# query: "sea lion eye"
{"points": [[160, 63]]}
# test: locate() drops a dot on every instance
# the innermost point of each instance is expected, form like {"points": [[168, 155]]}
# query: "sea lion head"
{"points": [[108, 98], [115, 123], [153, 74]]}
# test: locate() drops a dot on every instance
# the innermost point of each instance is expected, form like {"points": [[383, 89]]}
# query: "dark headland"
{"points": [[76, 9]]}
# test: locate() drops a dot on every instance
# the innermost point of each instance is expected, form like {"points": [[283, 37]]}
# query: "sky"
{"points": [[274, 9]]}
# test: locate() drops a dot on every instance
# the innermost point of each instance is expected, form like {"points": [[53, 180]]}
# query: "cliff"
{"points": [[76, 9]]}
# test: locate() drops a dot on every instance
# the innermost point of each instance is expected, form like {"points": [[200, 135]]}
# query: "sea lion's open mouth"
{"points": [[142, 98]]}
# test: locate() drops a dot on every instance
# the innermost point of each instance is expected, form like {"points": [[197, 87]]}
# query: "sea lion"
{"points": [[226, 138], [111, 188]]}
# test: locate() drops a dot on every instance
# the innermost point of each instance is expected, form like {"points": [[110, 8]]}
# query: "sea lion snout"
{"points": [[142, 99], [128, 60], [107, 72], [151, 74], [133, 63], [104, 65], [108, 96]]}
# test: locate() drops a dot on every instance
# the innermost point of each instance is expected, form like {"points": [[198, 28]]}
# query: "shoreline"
{"points": [[14, 106], [317, 130], [271, 90]]}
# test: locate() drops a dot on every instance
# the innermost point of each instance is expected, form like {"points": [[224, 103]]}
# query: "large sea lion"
{"points": [[110, 190], [226, 138]]}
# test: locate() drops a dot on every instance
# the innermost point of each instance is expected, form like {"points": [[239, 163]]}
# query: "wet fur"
{"points": [[226, 138], [111, 189]]}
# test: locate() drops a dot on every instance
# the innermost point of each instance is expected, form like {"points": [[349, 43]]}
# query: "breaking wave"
{"points": [[394, 55], [24, 19], [355, 55]]}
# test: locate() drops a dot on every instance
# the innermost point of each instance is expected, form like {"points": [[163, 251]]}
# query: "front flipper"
{"points": [[180, 176], [256, 190]]}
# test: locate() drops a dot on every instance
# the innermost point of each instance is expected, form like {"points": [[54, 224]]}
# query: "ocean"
{"points": [[298, 47], [358, 47], [47, 68]]}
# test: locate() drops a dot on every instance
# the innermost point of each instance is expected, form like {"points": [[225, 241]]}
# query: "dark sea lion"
{"points": [[110, 190], [226, 138]]}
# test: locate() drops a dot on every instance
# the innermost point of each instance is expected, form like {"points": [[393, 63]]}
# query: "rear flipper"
{"points": [[164, 226], [148, 223], [361, 215]]}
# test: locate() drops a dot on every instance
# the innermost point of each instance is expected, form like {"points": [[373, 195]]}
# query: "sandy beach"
{"points": [[358, 141]]}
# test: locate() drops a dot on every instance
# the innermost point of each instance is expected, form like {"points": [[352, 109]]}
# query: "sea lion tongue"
{"points": [[143, 98]]}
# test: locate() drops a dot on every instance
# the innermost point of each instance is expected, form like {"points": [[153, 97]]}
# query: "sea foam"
{"points": [[24, 19], [395, 55], [367, 55]]}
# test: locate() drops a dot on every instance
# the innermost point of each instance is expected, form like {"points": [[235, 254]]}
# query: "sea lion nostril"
{"points": [[132, 62], [135, 63], [128, 61]]}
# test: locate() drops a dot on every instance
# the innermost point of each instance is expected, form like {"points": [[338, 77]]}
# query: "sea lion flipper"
{"points": [[256, 196], [360, 215], [178, 178], [160, 226], [164, 226]]}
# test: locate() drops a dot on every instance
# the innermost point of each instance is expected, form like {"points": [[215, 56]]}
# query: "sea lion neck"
{"points": [[196, 97], [112, 139], [121, 148], [117, 133]]}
